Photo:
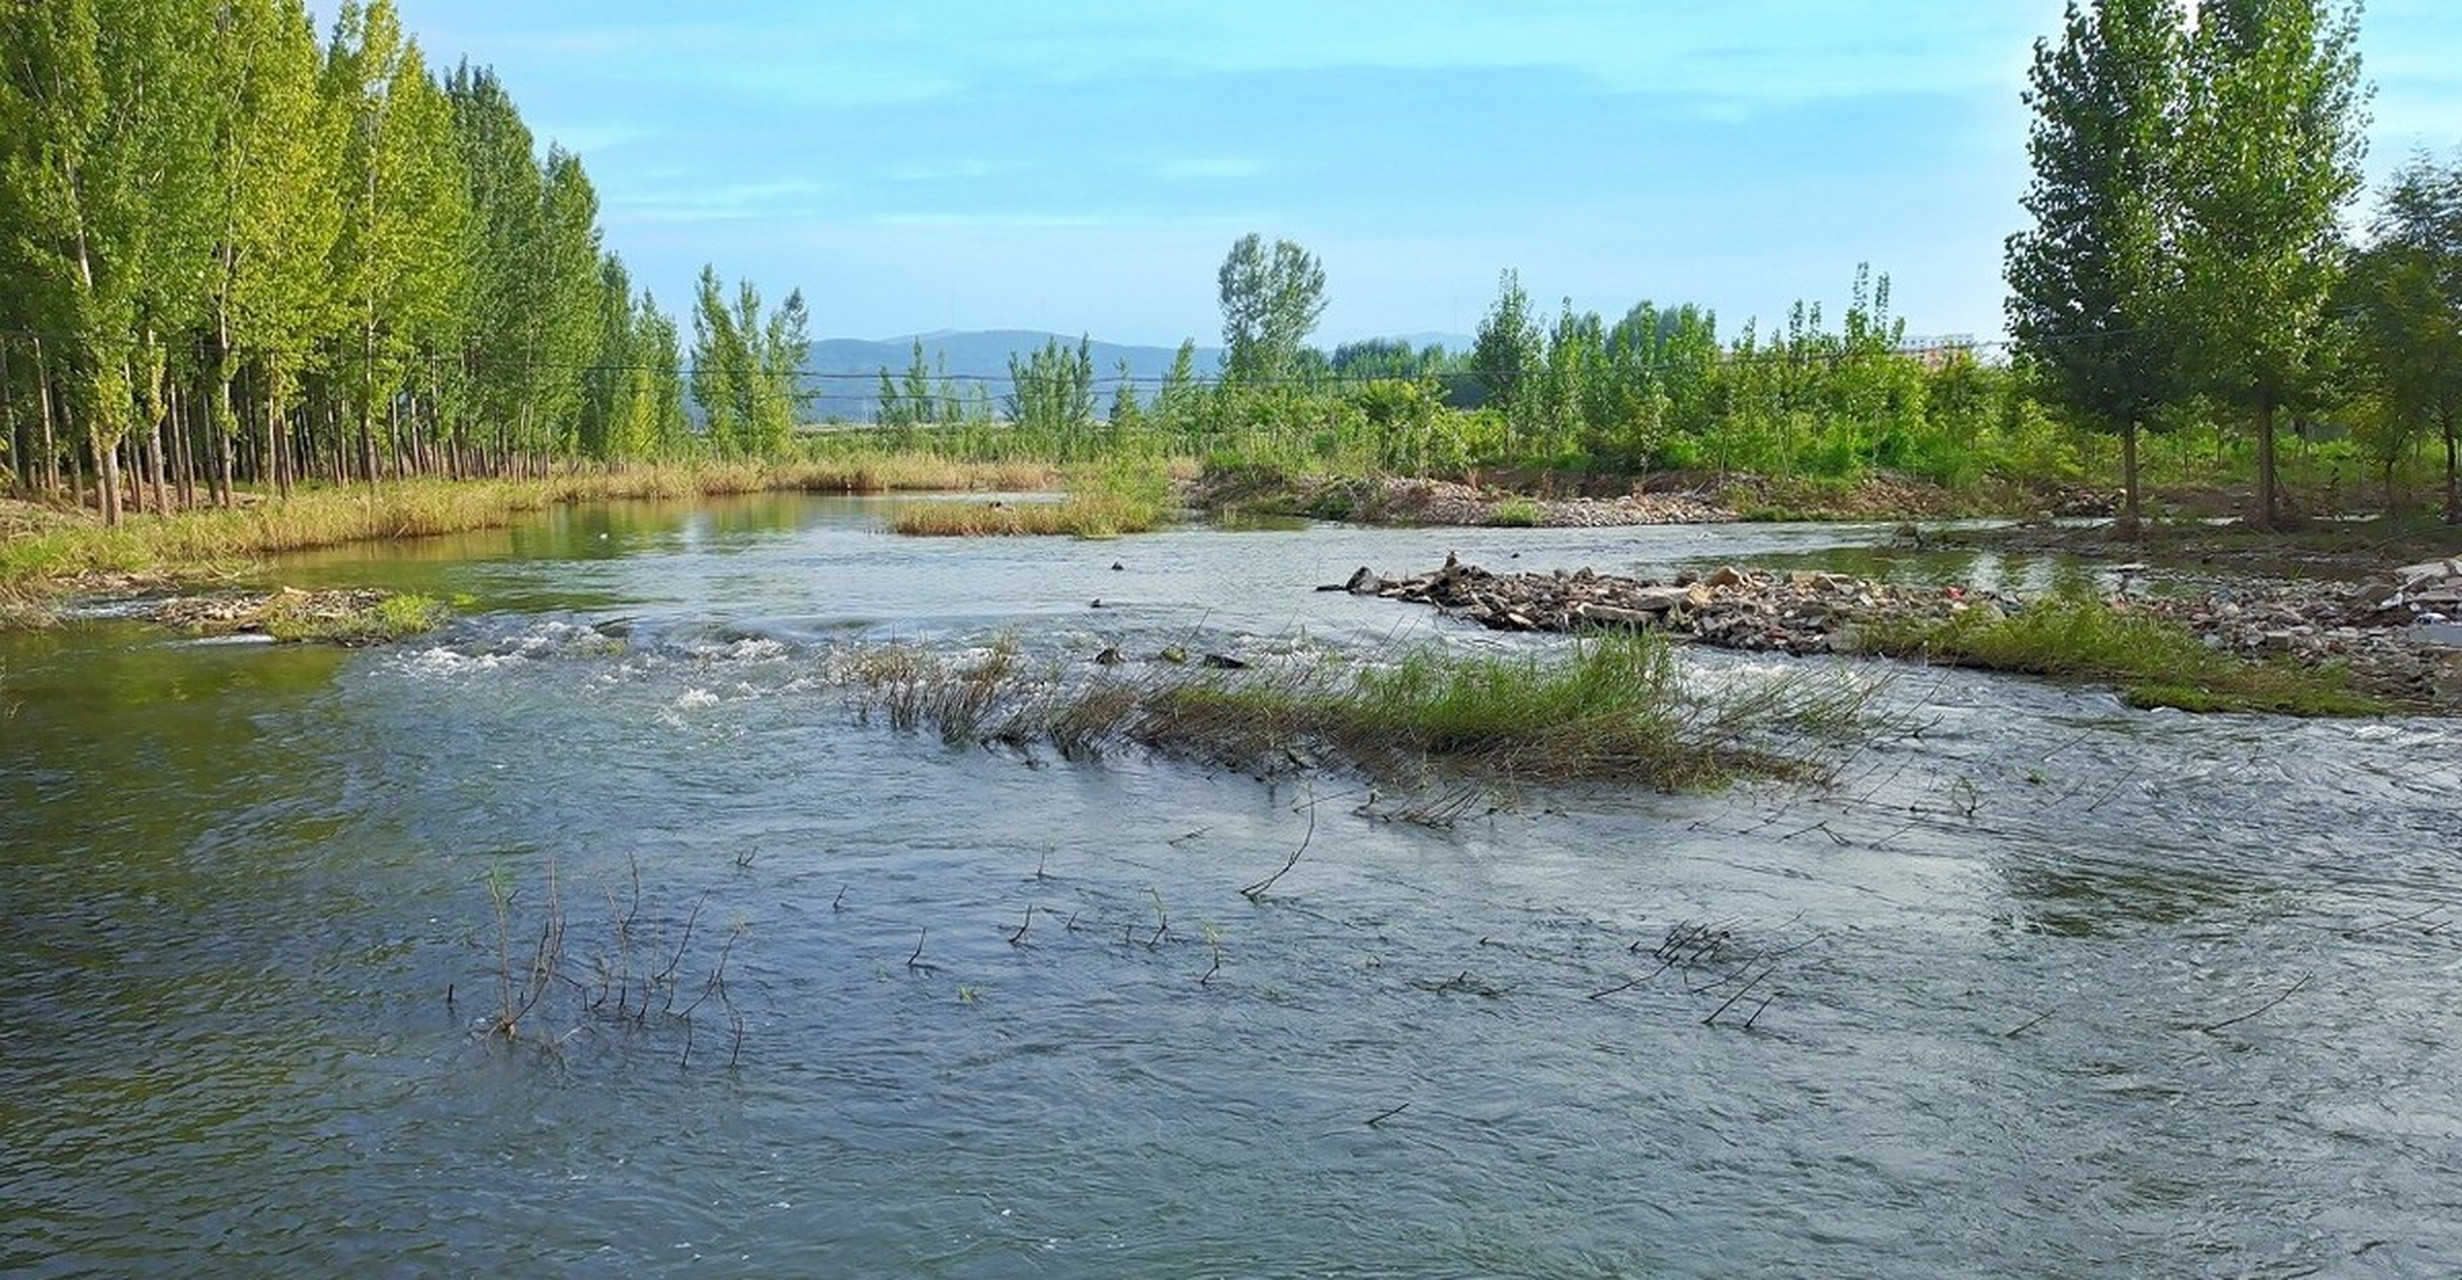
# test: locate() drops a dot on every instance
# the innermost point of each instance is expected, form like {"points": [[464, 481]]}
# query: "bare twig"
{"points": [[1383, 1116], [1740, 993], [2028, 1025], [1256, 892], [2286, 993]]}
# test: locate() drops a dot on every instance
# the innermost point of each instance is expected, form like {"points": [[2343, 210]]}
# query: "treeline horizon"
{"points": [[238, 254]]}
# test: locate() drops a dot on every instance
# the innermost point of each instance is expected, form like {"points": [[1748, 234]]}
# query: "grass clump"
{"points": [[1515, 513], [1120, 497], [2155, 663], [1609, 708], [290, 616], [382, 622]]}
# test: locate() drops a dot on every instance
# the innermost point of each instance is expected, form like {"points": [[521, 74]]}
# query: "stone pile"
{"points": [[229, 614], [1799, 612], [2398, 634]]}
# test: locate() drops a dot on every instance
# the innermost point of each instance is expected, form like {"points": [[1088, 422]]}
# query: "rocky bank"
{"points": [[2398, 633]]}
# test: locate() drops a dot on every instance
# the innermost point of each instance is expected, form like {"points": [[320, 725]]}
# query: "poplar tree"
{"points": [[2094, 284], [2272, 147], [719, 359], [273, 188], [398, 258], [1271, 300], [506, 194], [103, 118]]}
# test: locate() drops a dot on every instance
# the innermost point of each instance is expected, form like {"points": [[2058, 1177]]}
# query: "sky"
{"points": [[1073, 167]]}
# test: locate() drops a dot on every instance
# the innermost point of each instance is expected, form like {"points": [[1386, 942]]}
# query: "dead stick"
{"points": [[1740, 993], [1383, 1116], [2028, 1025], [1256, 892], [2288, 992]]}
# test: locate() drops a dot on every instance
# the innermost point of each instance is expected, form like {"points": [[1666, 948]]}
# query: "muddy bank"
{"points": [[2397, 633]]}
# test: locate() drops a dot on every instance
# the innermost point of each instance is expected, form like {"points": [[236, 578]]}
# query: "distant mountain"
{"points": [[844, 373]]}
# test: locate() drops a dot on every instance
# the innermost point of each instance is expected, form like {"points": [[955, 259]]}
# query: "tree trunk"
{"points": [[183, 456], [2131, 523], [51, 440], [106, 479], [21, 442], [2453, 493], [2266, 481]]}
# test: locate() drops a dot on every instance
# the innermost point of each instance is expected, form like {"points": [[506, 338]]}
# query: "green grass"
{"points": [[1515, 513], [2154, 663], [1606, 708]]}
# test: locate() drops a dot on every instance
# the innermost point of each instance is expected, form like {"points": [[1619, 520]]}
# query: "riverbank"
{"points": [[1540, 500], [2307, 648], [47, 552], [2349, 550]]}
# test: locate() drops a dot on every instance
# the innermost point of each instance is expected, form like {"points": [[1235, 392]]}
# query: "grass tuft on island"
{"points": [[1128, 495], [290, 616], [2155, 663], [1608, 708]]}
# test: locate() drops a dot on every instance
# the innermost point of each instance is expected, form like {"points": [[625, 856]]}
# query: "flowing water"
{"points": [[2045, 987]]}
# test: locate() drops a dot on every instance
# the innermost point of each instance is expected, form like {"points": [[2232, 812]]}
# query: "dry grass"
{"points": [[45, 550], [1126, 495], [1078, 517]]}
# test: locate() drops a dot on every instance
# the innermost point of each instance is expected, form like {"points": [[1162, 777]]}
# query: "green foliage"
{"points": [[2095, 283], [2272, 145], [2405, 296], [1271, 301], [746, 366], [1052, 394], [346, 267]]}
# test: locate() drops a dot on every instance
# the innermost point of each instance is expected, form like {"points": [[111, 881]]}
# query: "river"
{"points": [[2039, 985]]}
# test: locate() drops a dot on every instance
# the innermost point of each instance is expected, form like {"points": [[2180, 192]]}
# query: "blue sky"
{"points": [[978, 164]]}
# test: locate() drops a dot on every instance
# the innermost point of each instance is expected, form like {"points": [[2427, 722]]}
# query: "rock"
{"points": [[1117, 567], [1173, 654], [1224, 662], [1364, 583], [1611, 616], [1727, 577], [1110, 657]]}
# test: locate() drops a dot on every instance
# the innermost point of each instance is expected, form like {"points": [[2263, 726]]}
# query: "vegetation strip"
{"points": [[2334, 653], [47, 552], [1611, 708]]}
